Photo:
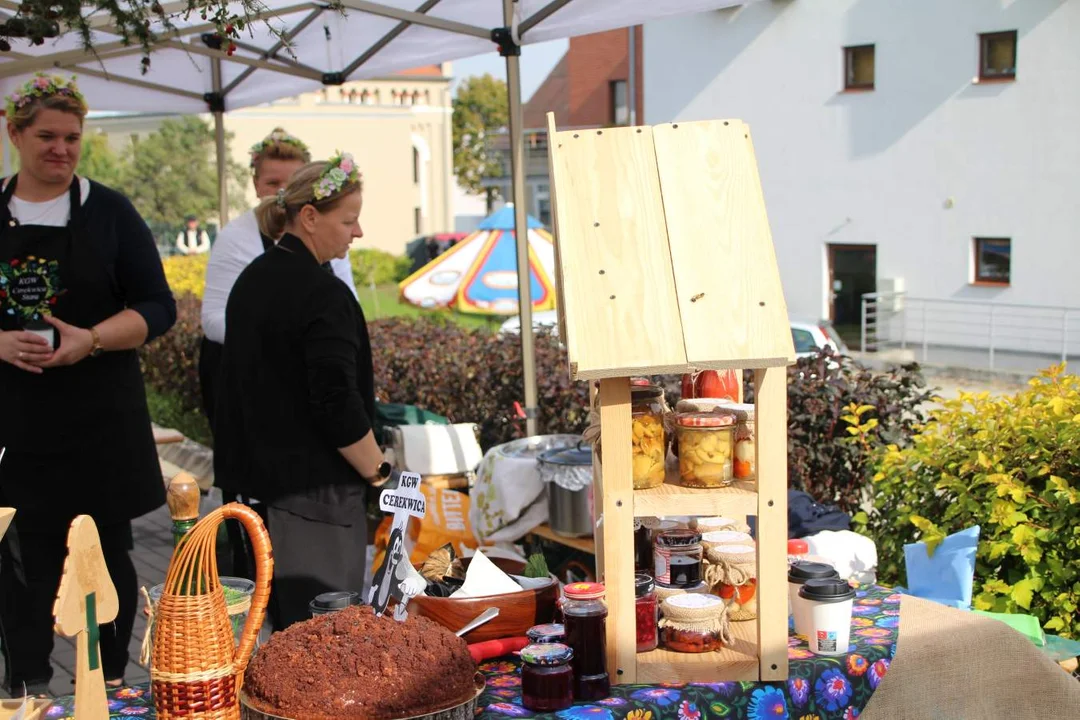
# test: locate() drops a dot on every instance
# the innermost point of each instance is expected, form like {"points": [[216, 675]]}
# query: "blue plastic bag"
{"points": [[946, 577]]}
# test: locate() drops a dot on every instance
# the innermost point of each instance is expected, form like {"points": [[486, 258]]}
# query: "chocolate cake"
{"points": [[352, 664]]}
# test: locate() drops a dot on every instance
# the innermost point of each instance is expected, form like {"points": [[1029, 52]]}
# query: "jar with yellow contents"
{"points": [[705, 448], [649, 451]]}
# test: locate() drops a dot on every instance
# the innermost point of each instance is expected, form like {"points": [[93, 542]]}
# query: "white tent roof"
{"points": [[370, 38]]}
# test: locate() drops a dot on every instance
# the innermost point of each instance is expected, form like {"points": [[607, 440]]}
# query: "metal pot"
{"points": [[567, 472]]}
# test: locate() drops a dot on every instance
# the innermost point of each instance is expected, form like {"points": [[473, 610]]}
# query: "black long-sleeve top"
{"points": [[296, 385]]}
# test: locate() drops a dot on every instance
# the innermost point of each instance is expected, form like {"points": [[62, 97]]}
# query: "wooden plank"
{"points": [[728, 285], [618, 289], [737, 500], [770, 397], [737, 662], [584, 544], [617, 529]]}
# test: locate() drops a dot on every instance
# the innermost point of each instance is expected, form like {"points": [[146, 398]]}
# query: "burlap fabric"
{"points": [[956, 665], [711, 619], [723, 567], [704, 525]]}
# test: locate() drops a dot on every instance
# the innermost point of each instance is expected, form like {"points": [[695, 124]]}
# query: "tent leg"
{"points": [[219, 143], [521, 232]]}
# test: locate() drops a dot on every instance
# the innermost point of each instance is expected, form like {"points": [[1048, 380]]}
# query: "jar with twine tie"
{"points": [[694, 624], [731, 572]]}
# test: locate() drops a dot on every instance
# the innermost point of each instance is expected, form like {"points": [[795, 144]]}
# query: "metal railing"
{"points": [[970, 332]]}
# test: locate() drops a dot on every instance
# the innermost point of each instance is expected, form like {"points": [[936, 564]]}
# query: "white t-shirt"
{"points": [[236, 246], [51, 213]]}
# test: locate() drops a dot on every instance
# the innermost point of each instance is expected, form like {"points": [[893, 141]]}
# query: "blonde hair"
{"points": [[278, 145], [24, 116], [277, 211]]}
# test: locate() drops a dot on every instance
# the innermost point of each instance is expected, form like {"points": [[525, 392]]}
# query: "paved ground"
{"points": [[153, 548]]}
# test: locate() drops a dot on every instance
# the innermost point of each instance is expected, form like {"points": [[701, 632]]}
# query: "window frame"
{"points": [[612, 86], [849, 53], [984, 39], [977, 276], [418, 220]]}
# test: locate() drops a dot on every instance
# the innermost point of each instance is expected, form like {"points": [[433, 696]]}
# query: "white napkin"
{"points": [[483, 578]]}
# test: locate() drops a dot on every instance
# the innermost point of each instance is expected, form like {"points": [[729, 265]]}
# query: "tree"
{"points": [[172, 173], [100, 162], [480, 110]]}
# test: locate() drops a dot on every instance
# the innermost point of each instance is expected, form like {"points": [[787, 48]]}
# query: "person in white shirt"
{"points": [[273, 161], [191, 240]]}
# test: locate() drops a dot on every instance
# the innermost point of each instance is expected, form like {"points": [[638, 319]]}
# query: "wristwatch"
{"points": [[382, 474], [95, 340]]}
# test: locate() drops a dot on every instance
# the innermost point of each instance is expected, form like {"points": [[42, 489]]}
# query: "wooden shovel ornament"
{"points": [[86, 599]]}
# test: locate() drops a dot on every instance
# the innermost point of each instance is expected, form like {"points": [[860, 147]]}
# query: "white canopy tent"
{"points": [[316, 45]]}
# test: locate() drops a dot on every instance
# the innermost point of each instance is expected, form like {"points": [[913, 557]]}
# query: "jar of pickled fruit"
{"points": [[649, 441], [744, 463], [646, 611], [705, 448], [731, 572], [694, 624]]}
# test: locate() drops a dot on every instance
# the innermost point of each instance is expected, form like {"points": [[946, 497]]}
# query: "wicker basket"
{"points": [[196, 674]]}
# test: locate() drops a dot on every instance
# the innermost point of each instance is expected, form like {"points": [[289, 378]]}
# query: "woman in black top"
{"points": [[75, 258], [297, 396]]}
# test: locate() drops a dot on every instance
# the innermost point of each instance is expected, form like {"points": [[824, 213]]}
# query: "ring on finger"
{"points": [[21, 354]]}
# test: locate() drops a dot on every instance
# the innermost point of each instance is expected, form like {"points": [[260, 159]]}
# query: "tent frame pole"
{"points": [[216, 101], [511, 50]]}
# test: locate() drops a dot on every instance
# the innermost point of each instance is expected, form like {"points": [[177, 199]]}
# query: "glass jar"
{"points": [[732, 570], [677, 558], [649, 441], [585, 619], [330, 602], [642, 546], [705, 448], [647, 610], [744, 464], [694, 624], [546, 634], [547, 681]]}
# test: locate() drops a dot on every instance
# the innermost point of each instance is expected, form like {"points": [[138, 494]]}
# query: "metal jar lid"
{"points": [[546, 654], [678, 538]]}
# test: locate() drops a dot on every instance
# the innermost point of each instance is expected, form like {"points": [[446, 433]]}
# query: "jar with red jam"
{"points": [[694, 624], [585, 621], [677, 558], [547, 681], [647, 610]]}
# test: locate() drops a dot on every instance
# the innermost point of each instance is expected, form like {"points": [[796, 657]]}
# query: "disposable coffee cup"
{"points": [[43, 330], [799, 573], [330, 602], [828, 605]]}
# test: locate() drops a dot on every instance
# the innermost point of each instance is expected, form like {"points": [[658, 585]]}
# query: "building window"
{"points": [[415, 166], [859, 67], [992, 256], [997, 55], [620, 109], [416, 220], [543, 208]]}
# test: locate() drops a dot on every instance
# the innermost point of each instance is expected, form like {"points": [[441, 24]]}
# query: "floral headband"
{"points": [[340, 171], [278, 137], [43, 86]]}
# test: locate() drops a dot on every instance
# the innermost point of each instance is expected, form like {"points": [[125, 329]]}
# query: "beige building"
{"points": [[398, 128]]}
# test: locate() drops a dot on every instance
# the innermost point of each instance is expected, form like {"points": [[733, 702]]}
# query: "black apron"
{"points": [[78, 438]]}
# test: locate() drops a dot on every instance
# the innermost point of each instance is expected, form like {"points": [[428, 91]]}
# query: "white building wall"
{"points": [[881, 167]]}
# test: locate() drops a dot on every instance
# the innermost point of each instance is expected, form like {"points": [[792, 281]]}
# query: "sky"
{"points": [[536, 62]]}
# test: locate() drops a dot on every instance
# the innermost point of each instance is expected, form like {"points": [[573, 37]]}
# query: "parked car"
{"points": [[811, 337]]}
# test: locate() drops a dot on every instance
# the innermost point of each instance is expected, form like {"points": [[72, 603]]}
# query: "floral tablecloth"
{"points": [[818, 688]]}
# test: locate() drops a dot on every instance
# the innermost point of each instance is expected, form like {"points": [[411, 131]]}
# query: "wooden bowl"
{"points": [[518, 611]]}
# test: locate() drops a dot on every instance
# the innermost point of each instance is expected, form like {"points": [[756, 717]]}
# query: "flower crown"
{"points": [[278, 137], [340, 171], [43, 86]]}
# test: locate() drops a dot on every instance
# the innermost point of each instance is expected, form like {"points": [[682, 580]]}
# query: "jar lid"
{"points": [[703, 604], [714, 522], [578, 456], [678, 538], [797, 546], [800, 572], [727, 537], [335, 600], [827, 590], [546, 654], [641, 382], [742, 411], [735, 549], [641, 393], [584, 591], [718, 419], [643, 584], [551, 632]]}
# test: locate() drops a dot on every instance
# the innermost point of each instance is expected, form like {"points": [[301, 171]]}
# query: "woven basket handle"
{"points": [[264, 571]]}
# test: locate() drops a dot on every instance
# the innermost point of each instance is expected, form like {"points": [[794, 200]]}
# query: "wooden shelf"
{"points": [[584, 544], [671, 498], [739, 662]]}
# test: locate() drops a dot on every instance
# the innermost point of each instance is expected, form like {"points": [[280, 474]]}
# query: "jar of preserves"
{"points": [[647, 612], [677, 558], [547, 681], [546, 634], [649, 439], [694, 624], [705, 448], [731, 572], [585, 620], [744, 464]]}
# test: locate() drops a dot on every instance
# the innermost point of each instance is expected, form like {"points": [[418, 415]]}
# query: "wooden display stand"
{"points": [[665, 266]]}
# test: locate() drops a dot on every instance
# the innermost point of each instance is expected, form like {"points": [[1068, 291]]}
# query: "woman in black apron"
{"points": [[75, 257]]}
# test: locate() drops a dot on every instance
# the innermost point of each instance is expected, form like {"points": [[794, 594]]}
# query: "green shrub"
{"points": [[1010, 464], [170, 364], [375, 266], [827, 456], [168, 410]]}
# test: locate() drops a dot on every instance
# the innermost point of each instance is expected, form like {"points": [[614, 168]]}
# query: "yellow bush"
{"points": [[186, 274]]}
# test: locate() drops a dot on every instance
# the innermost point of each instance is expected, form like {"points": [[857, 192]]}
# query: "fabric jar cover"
{"points": [[734, 566], [719, 538], [718, 524], [697, 613]]}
